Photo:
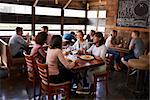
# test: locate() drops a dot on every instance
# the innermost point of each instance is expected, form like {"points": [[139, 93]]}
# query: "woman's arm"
{"points": [[64, 61], [90, 49], [42, 52], [75, 45]]}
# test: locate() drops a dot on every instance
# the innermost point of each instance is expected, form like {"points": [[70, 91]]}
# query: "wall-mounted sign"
{"points": [[133, 13]]}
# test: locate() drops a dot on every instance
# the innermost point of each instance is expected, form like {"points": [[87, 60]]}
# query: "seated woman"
{"points": [[58, 72], [98, 50], [38, 51], [80, 44]]}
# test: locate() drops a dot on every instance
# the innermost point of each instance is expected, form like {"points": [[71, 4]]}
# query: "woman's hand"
{"points": [[98, 58], [73, 64]]}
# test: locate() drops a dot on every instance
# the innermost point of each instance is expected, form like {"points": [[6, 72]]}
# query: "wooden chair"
{"points": [[142, 68], [103, 74], [50, 88], [33, 77], [6, 58]]}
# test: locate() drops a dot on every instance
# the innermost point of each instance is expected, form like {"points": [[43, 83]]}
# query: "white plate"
{"points": [[86, 57]]}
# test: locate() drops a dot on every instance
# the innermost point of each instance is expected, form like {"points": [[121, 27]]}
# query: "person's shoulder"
{"points": [[109, 38], [103, 46], [58, 50]]}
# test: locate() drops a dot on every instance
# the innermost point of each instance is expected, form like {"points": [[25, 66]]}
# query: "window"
{"points": [[9, 26], [50, 26], [102, 14], [51, 32], [14, 8], [92, 27], [48, 11], [74, 27], [74, 13], [9, 29], [53, 28], [93, 14], [10, 33]]}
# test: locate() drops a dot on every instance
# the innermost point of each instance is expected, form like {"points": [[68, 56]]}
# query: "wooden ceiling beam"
{"points": [[67, 4], [35, 3]]}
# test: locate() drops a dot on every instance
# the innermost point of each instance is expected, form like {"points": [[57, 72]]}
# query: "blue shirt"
{"points": [[138, 47], [68, 36], [17, 44]]}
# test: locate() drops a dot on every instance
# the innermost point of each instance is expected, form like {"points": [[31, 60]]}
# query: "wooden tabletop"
{"points": [[121, 50], [85, 64]]}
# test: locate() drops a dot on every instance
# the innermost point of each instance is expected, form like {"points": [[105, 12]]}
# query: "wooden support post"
{"points": [[97, 22], [33, 21], [86, 19], [62, 21]]}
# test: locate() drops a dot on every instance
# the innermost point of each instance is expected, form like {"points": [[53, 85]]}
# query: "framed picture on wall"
{"points": [[133, 13]]}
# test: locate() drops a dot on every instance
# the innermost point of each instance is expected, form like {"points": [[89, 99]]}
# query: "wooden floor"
{"points": [[13, 88]]}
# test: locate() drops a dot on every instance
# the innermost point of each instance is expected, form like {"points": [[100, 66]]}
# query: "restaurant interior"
{"points": [[74, 49]]}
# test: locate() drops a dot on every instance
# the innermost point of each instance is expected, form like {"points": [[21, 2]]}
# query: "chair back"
{"points": [[31, 67], [43, 73], [6, 57]]}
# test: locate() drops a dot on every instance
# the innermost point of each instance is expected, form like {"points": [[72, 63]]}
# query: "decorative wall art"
{"points": [[133, 13]]}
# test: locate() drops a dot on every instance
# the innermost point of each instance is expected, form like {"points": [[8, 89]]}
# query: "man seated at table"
{"points": [[136, 48], [112, 41], [18, 44], [98, 50], [90, 36], [69, 38], [45, 29]]}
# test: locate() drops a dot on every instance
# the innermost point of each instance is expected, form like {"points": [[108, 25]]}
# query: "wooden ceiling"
{"points": [[75, 4]]}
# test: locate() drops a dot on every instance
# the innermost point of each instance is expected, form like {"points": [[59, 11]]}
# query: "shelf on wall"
{"points": [[132, 29]]}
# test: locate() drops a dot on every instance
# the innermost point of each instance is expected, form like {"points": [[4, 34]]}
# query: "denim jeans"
{"points": [[115, 54]]}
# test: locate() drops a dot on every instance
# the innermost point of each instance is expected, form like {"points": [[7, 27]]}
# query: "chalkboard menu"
{"points": [[133, 13]]}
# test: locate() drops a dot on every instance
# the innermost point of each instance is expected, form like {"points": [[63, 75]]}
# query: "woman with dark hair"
{"points": [[98, 50], [80, 44], [58, 66], [38, 51]]}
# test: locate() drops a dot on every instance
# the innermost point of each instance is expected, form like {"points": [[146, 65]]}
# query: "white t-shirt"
{"points": [[78, 46], [98, 51], [108, 40]]}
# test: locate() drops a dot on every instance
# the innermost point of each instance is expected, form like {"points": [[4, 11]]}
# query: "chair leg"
{"points": [[95, 86], [68, 92], [49, 97], [106, 85], [34, 86], [128, 75]]}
